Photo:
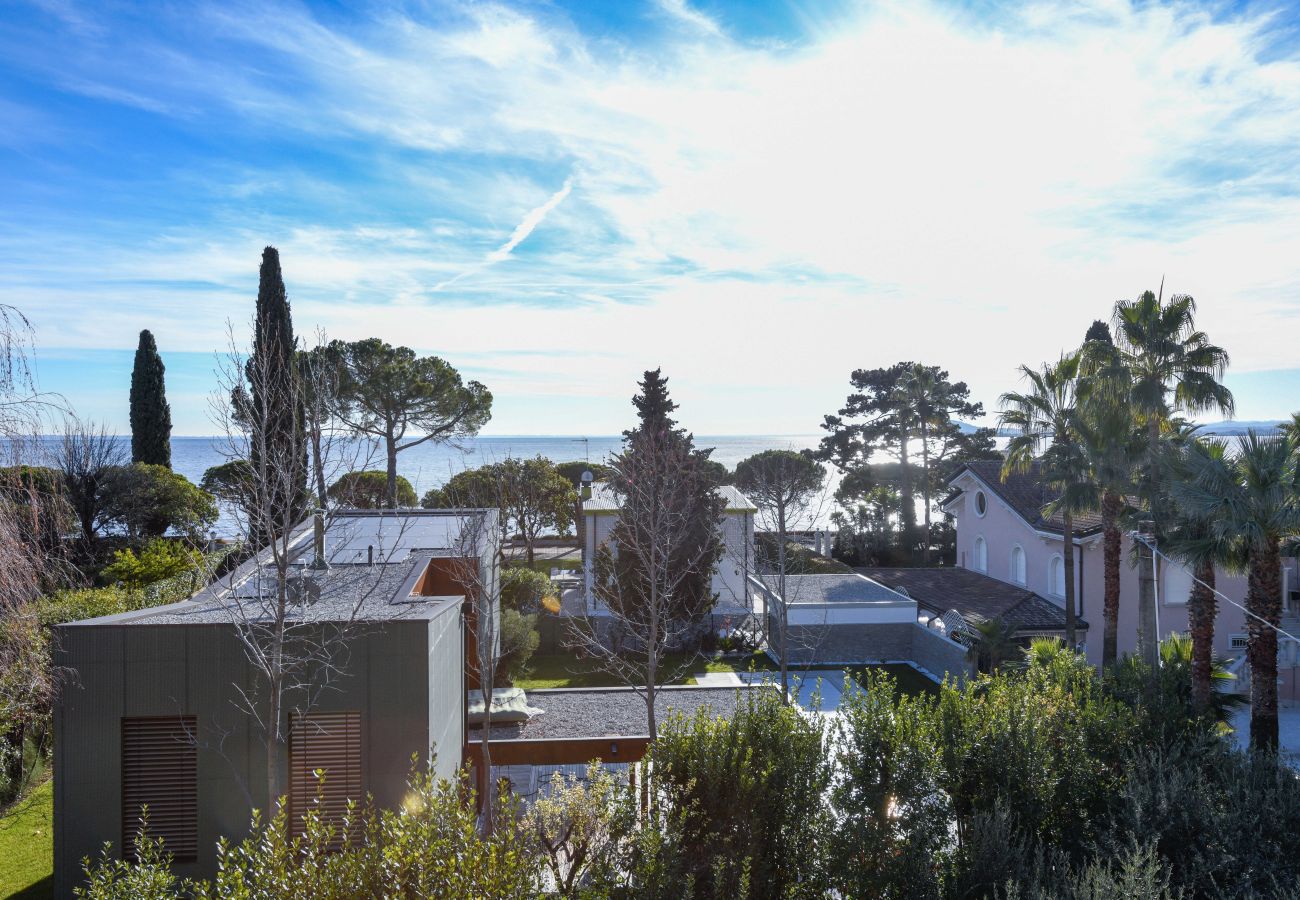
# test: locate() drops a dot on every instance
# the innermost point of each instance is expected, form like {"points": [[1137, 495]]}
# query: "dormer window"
{"points": [[981, 504]]}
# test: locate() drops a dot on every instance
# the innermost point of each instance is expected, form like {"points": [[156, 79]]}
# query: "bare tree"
{"points": [[664, 543], [294, 654], [83, 458], [789, 489]]}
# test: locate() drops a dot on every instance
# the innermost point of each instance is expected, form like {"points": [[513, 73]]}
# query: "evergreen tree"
{"points": [[653, 404], [276, 399], [151, 417], [1098, 331]]}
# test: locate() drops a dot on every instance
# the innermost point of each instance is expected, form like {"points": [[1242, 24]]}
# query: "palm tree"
{"points": [[1252, 496], [1112, 443], [1193, 539], [993, 642], [1048, 419], [1160, 365]]}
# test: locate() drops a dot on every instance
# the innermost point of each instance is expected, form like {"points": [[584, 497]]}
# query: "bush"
{"points": [[519, 640], [149, 500], [524, 589], [157, 560], [429, 848], [369, 490], [745, 795]]}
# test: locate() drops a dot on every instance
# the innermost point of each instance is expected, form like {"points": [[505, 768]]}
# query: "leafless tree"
{"points": [[295, 655], [83, 457], [791, 493], [664, 544]]}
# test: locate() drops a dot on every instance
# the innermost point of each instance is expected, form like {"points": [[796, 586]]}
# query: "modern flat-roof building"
{"points": [[162, 705]]}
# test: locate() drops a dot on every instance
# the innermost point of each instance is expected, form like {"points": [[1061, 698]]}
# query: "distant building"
{"points": [[154, 712], [730, 578], [1003, 534]]}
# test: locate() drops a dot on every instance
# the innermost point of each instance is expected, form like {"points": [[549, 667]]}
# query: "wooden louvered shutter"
{"points": [[330, 741], [159, 770]]}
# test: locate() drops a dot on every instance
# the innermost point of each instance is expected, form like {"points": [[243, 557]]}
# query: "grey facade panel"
{"points": [[395, 676]]}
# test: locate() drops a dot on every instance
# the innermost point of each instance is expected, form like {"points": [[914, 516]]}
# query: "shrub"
{"points": [[429, 848], [524, 589], [369, 490], [149, 500], [892, 818], [519, 640], [580, 828], [746, 795], [157, 560]]}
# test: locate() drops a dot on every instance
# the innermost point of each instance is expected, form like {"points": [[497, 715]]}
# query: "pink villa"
{"points": [[1003, 534]]}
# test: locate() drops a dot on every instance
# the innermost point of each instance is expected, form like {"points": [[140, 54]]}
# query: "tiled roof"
{"points": [[977, 597], [603, 499], [1026, 494]]}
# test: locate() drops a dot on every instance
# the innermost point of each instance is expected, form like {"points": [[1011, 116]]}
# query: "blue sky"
{"points": [[759, 197]]}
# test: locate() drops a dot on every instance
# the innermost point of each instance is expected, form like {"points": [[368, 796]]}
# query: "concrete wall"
{"points": [[399, 675], [939, 655]]}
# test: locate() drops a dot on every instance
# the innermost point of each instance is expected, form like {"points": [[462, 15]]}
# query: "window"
{"points": [[981, 555], [1018, 564], [981, 504], [1056, 577], [330, 742], [1177, 586], [159, 764]]}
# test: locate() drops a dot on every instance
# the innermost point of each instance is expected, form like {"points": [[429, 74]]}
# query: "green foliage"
{"points": [[157, 560], [229, 481], [369, 490], [430, 847], [892, 818], [523, 589], [572, 471], [149, 500], [579, 830], [151, 416], [386, 392], [747, 793], [519, 639]]}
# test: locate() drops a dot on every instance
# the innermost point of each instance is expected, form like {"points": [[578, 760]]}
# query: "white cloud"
{"points": [[907, 182]]}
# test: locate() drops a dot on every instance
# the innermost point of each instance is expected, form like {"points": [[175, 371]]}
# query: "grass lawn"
{"points": [[908, 679], [561, 670], [27, 846]]}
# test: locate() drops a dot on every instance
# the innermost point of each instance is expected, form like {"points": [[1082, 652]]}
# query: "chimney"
{"points": [[318, 561]]}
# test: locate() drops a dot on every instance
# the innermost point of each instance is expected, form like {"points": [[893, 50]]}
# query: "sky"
{"points": [[759, 197]]}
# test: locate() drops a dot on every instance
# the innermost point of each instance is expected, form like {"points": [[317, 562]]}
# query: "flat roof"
{"points": [[604, 499], [359, 585], [835, 588], [613, 711]]}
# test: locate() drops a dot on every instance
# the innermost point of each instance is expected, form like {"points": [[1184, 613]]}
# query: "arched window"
{"points": [[981, 555], [1018, 564], [1056, 577]]}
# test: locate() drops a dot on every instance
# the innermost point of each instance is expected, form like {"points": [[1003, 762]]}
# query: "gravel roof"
{"points": [[976, 596], [614, 712]]}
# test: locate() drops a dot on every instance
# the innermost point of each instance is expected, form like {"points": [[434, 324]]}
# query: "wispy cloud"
{"points": [[899, 180], [517, 237]]}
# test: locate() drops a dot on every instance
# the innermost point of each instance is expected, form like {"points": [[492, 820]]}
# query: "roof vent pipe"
{"points": [[318, 561]]}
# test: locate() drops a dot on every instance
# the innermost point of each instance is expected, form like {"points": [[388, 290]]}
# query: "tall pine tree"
{"points": [[278, 446], [151, 417]]}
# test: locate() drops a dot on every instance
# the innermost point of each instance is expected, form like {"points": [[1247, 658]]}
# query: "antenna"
{"points": [[586, 448]]}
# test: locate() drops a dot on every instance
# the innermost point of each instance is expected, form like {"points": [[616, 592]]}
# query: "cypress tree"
{"points": [[1098, 331], [276, 400], [151, 417]]}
